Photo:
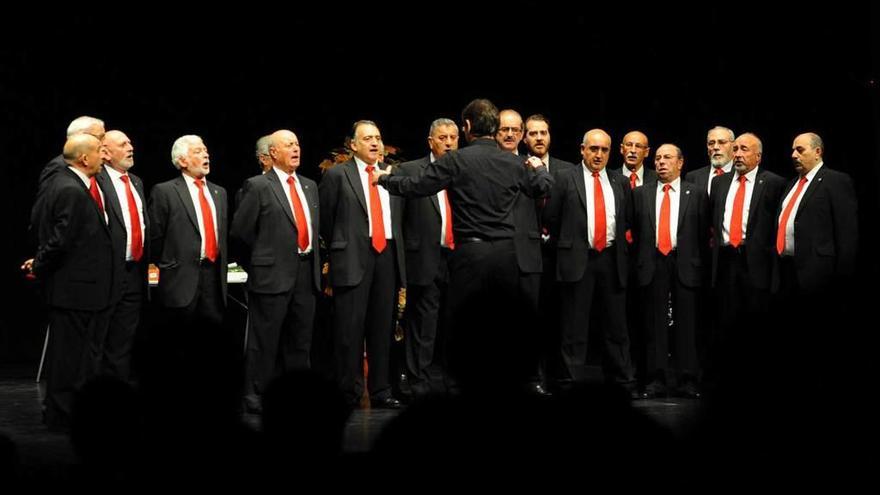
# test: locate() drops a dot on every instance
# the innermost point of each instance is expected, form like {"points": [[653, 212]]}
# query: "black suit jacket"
{"points": [[345, 226], [117, 224], [760, 243], [649, 176], [74, 259], [48, 171], [700, 177], [692, 237], [566, 215], [264, 233], [421, 230], [826, 231], [175, 240], [557, 167]]}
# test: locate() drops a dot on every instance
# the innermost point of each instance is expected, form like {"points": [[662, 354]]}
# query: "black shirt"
{"points": [[483, 183]]}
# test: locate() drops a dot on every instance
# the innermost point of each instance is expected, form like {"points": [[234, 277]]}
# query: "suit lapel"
{"points": [[651, 197], [433, 197], [312, 200], [278, 191], [617, 189], [757, 195], [581, 187], [724, 189], [683, 200], [183, 192], [354, 180], [219, 206], [811, 189], [111, 200]]}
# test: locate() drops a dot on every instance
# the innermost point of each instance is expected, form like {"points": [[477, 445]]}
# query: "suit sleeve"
{"points": [[434, 178], [158, 212], [553, 211], [62, 221], [537, 181], [846, 229], [328, 198], [244, 224]]}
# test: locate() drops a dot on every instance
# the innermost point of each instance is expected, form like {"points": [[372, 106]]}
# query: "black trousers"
{"points": [[124, 317], [599, 288], [664, 290], [281, 327], [740, 312], [73, 357], [424, 334], [365, 312]]}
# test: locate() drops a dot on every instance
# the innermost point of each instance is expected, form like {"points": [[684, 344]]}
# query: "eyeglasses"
{"points": [[515, 130], [638, 146]]}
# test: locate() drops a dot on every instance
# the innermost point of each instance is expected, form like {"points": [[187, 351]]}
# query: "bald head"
{"points": [[747, 152], [83, 152], [806, 152], [595, 149], [118, 151], [510, 130], [668, 161], [284, 150]]}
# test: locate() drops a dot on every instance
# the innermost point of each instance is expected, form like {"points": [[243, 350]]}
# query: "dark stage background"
{"points": [[232, 76]]}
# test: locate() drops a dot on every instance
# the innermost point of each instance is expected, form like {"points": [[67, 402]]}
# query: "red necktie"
{"points": [[780, 232], [719, 171], [450, 240], [632, 180], [96, 194], [379, 240], [137, 236], [302, 228], [599, 235], [208, 223], [664, 239], [736, 218]]}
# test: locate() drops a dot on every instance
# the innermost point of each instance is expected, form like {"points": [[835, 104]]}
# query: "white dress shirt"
{"points": [[789, 228], [442, 198], [122, 196], [197, 205], [608, 197], [728, 205], [640, 174], [282, 176], [727, 167], [88, 182], [384, 198], [674, 193]]}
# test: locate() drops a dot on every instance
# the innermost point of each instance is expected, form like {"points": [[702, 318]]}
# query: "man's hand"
{"points": [[535, 162], [377, 172], [28, 268]]}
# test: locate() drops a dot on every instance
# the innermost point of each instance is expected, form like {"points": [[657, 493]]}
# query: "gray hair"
{"points": [[816, 141], [721, 128], [756, 138], [263, 145], [594, 131], [440, 122], [82, 124], [181, 147]]}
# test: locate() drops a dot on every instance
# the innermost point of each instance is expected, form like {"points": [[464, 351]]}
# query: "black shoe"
{"points": [[654, 389], [539, 391], [252, 404], [689, 390], [385, 403]]}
